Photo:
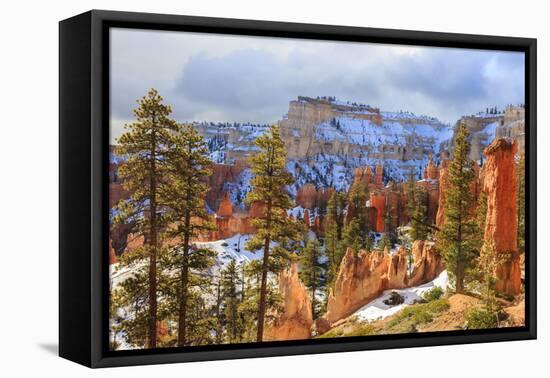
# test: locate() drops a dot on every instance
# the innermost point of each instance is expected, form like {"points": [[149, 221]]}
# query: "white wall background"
{"points": [[29, 185]]}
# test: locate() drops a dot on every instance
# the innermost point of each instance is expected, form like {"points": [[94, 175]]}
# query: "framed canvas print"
{"points": [[234, 188]]}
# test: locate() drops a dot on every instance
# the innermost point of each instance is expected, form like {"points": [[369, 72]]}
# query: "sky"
{"points": [[224, 78]]}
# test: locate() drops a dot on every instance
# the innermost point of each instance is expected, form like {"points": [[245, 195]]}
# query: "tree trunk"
{"points": [[459, 287], [263, 287], [153, 251], [184, 283], [218, 315], [263, 292]]}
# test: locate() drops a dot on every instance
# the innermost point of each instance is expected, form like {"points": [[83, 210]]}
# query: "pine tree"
{"points": [[487, 261], [248, 308], [188, 166], [486, 268], [390, 221], [145, 147], [312, 272], [417, 211], [481, 211], [269, 182], [352, 237], [521, 203], [459, 237], [356, 232], [231, 285], [333, 235]]}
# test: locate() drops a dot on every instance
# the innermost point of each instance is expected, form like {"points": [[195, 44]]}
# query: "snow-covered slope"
{"points": [[232, 249], [395, 129], [377, 309]]}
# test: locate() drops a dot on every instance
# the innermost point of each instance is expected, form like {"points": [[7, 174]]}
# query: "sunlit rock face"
{"points": [[295, 320], [225, 209], [397, 269], [363, 277], [499, 184], [428, 263]]}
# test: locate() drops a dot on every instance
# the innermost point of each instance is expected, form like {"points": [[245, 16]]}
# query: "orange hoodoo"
{"points": [[225, 209], [295, 319], [499, 184], [378, 201]]}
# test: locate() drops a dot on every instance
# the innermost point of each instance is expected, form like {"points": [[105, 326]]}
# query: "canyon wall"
{"points": [[221, 176], [299, 127], [484, 128]]}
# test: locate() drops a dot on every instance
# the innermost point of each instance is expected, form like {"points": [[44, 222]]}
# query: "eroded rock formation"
{"points": [[362, 277], [217, 181], [307, 196], [112, 255], [295, 320], [307, 219], [428, 263], [225, 209], [378, 201], [397, 269], [499, 184]]}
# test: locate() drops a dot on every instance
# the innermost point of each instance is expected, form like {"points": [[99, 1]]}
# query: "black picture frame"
{"points": [[83, 195]]}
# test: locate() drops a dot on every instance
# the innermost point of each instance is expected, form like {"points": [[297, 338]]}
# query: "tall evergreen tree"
{"points": [[357, 203], [417, 211], [312, 272], [269, 182], [390, 221], [248, 308], [231, 286], [333, 235], [188, 166], [356, 232], [352, 237], [145, 146], [459, 237]]}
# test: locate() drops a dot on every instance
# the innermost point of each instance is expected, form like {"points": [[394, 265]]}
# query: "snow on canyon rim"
{"points": [[377, 309]]}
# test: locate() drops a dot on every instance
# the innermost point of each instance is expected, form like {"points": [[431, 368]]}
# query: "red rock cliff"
{"points": [[499, 184]]}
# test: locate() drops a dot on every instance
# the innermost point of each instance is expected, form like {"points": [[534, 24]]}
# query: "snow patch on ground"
{"points": [[229, 249], [377, 309], [232, 248]]}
